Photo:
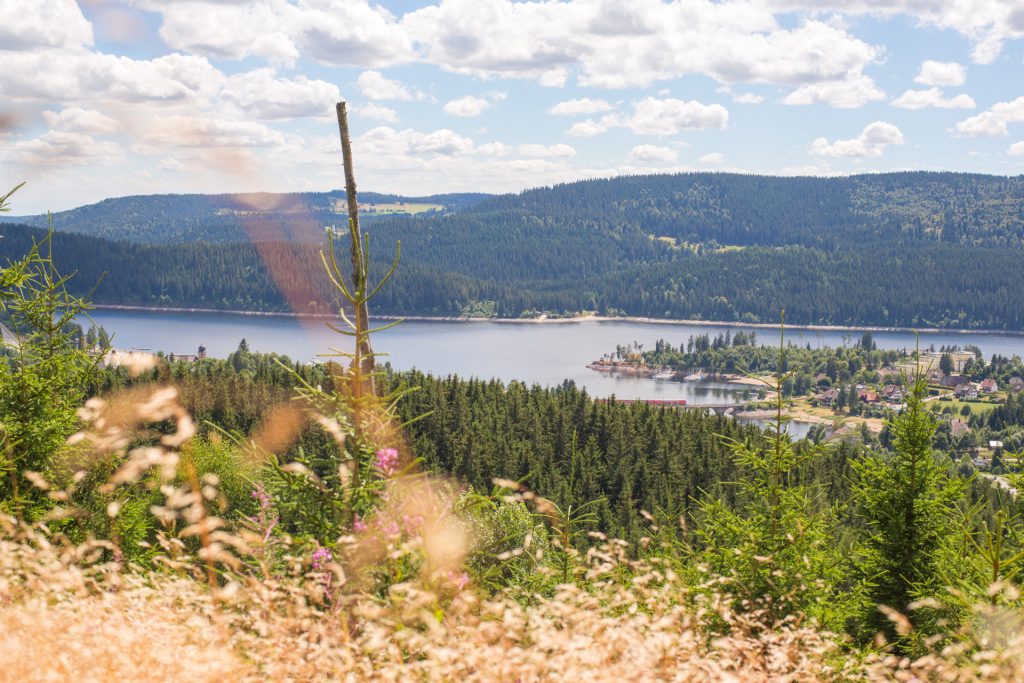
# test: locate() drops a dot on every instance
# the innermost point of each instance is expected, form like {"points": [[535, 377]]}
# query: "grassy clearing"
{"points": [[977, 407], [409, 208], [696, 247]]}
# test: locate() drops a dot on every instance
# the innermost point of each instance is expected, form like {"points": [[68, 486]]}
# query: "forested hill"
{"points": [[259, 216], [905, 249], [692, 208], [923, 285], [733, 209]]}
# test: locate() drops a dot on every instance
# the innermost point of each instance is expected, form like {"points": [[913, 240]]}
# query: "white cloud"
{"points": [[206, 132], [583, 105], [229, 30], [747, 98], [377, 112], [652, 116], [385, 141], [536, 151], [932, 97], [729, 41], [77, 120], [43, 23], [494, 149], [846, 94], [467, 106], [1016, 149], [260, 94], [988, 23], [350, 33], [870, 143], [587, 128], [554, 78], [995, 121], [941, 74], [445, 142], [652, 154], [443, 161], [712, 158], [50, 77], [56, 148], [375, 86], [170, 164], [604, 44]]}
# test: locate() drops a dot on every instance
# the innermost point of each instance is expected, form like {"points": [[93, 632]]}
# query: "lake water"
{"points": [[543, 353]]}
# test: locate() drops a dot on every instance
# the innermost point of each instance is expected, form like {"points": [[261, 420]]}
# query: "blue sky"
{"points": [[101, 98]]}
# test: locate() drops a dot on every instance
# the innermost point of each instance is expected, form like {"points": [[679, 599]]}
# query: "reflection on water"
{"points": [[797, 430], [545, 354]]}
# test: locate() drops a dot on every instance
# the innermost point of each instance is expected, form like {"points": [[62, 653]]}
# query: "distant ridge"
{"points": [[168, 218], [940, 250]]}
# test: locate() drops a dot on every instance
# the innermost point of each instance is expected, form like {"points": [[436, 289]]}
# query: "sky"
{"points": [[104, 98]]}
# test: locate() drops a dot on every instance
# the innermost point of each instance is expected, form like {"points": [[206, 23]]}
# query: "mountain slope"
{"points": [[908, 249], [258, 216]]}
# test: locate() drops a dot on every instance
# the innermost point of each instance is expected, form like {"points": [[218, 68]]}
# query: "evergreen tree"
{"points": [[853, 401], [906, 500], [43, 373]]}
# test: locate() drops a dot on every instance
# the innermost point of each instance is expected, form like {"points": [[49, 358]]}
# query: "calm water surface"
{"points": [[545, 353]]}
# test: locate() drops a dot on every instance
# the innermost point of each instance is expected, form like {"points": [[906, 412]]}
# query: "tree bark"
{"points": [[363, 359]]}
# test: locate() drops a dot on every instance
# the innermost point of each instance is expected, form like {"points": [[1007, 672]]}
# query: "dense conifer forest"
{"points": [[285, 503], [903, 249]]}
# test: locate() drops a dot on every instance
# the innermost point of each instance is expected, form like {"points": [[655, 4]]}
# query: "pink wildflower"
{"points": [[358, 526], [260, 494], [387, 461], [321, 558], [460, 579], [412, 523]]}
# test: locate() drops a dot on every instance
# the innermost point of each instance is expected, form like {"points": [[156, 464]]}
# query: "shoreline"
{"points": [[554, 321]]}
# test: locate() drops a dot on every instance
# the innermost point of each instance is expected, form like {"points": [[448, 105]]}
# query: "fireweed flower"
{"points": [[412, 523], [261, 495], [460, 579], [387, 461], [358, 526], [321, 558]]}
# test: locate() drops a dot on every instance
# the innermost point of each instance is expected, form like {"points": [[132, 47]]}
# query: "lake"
{"points": [[542, 353]]}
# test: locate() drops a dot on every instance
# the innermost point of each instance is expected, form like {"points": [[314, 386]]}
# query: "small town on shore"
{"points": [[848, 391]]}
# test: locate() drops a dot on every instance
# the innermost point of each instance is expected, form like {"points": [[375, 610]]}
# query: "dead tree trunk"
{"points": [[363, 360]]}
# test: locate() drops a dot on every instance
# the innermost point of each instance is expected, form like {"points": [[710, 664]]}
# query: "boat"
{"points": [[695, 377], [664, 374]]}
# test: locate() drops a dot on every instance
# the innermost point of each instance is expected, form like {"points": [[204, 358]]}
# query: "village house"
{"points": [[1016, 383], [954, 381], [867, 396], [966, 391], [820, 377], [892, 393], [188, 357], [958, 427], [827, 397], [959, 358], [890, 373], [989, 386]]}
